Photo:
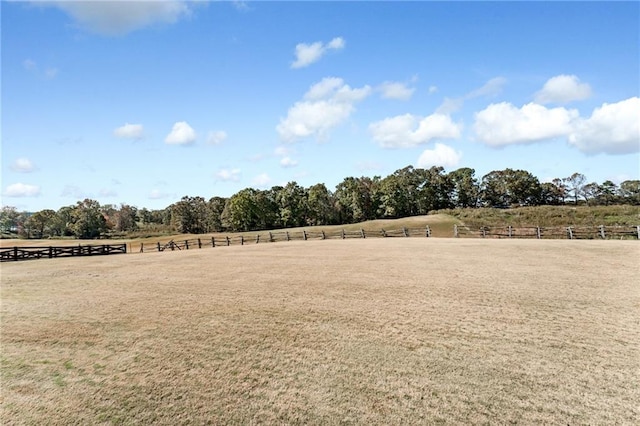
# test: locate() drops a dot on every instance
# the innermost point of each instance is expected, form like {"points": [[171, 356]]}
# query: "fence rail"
{"points": [[459, 231], [9, 254]]}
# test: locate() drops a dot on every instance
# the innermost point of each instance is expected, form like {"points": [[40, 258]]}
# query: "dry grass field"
{"points": [[375, 331]]}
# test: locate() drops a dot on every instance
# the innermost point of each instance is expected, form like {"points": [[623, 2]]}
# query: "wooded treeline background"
{"points": [[407, 192]]}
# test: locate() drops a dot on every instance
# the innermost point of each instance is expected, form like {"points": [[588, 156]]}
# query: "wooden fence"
{"points": [[558, 232], [8, 254], [582, 232]]}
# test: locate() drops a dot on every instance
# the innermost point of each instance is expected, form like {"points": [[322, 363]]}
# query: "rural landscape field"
{"points": [[373, 331]]}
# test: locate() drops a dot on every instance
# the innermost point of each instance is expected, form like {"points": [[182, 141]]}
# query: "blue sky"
{"points": [[145, 102]]}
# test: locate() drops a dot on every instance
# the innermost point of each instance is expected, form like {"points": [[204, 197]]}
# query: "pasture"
{"points": [[375, 331]]}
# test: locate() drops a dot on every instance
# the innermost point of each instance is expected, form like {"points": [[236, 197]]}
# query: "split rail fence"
{"points": [[599, 232], [8, 254]]}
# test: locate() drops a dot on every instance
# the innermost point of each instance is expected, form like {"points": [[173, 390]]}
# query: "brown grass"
{"points": [[376, 331]]}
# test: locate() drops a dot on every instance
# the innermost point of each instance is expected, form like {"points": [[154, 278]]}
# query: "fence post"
{"points": [[304, 235], [213, 241], [384, 233], [228, 241], [343, 236], [287, 232], [270, 237], [199, 243], [638, 231], [241, 240], [569, 233], [257, 238], [602, 235], [404, 231], [324, 236], [484, 231], [186, 244], [362, 233], [455, 231], [538, 232], [509, 231], [428, 233], [15, 254]]}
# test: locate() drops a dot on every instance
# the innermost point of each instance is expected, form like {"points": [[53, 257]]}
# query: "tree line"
{"points": [[406, 192]]}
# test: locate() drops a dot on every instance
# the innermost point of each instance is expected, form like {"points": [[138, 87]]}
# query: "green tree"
{"points": [[320, 205], [9, 216], [575, 184], [465, 187], [215, 208], [88, 220], [190, 215], [629, 191], [292, 203], [125, 218], [41, 223]]}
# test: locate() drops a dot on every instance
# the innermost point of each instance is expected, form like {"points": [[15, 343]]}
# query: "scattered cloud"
{"points": [[261, 181], [157, 194], [107, 193], [23, 165], [433, 89], [288, 162], [32, 67], [611, 129], [326, 105], [19, 190], [491, 88], [74, 191], [563, 89], [114, 18], [306, 54], [504, 124], [441, 155], [228, 175], [404, 131], [396, 90], [216, 137], [181, 134], [129, 131], [366, 166]]}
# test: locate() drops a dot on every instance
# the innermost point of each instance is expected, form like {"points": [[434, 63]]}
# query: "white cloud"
{"points": [[18, 190], [404, 131], [365, 166], [396, 90], [490, 89], [23, 165], [50, 73], [121, 17], [306, 54], [217, 137], [503, 124], [29, 65], [441, 155], [612, 129], [129, 131], [326, 105], [433, 89], [74, 191], [262, 180], [157, 194], [563, 89], [107, 193], [287, 162], [181, 134], [228, 175]]}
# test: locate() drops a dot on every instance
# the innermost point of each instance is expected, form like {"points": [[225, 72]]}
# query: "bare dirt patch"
{"points": [[385, 331]]}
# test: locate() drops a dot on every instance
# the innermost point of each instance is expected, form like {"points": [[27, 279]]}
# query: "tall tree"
{"points": [[320, 204], [41, 223], [9, 219], [575, 184], [465, 187], [88, 220], [215, 207], [189, 215], [629, 190]]}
